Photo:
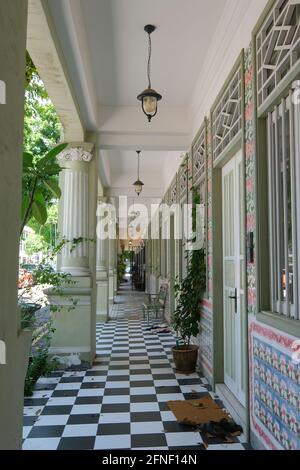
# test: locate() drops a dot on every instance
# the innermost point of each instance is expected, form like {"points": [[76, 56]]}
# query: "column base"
{"points": [[111, 292], [76, 272], [102, 318], [73, 321], [77, 267], [115, 282], [102, 297]]}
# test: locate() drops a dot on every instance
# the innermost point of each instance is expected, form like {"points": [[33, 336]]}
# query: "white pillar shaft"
{"points": [[111, 253], [75, 217], [102, 254], [75, 209]]}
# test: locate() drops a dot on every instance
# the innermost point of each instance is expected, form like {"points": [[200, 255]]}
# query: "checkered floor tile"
{"points": [[121, 402]]}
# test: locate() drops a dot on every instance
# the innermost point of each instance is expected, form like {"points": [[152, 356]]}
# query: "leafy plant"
{"points": [[189, 291], [40, 366], [44, 237], [121, 267], [31, 299], [40, 191], [39, 176], [42, 131]]}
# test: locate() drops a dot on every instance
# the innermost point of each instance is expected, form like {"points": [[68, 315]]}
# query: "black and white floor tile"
{"points": [[121, 402]]}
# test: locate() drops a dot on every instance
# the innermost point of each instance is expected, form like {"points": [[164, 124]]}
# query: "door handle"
{"points": [[234, 297]]}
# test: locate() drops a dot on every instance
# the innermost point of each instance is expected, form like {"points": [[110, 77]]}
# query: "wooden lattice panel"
{"points": [[173, 192], [183, 181], [199, 156], [277, 46], [227, 114]]}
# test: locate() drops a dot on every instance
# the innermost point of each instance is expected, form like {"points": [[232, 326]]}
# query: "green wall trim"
{"points": [[263, 16], [280, 91], [286, 325], [238, 63], [232, 148]]}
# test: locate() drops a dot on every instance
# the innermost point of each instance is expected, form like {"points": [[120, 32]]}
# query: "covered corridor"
{"points": [[121, 402], [221, 140]]}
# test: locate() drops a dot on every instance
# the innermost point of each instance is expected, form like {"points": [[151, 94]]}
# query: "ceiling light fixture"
{"points": [[138, 185], [149, 97]]}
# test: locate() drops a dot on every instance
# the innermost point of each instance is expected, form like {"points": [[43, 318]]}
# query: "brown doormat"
{"points": [[195, 412]]}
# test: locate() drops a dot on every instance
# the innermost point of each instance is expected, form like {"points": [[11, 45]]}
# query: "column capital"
{"points": [[77, 152]]}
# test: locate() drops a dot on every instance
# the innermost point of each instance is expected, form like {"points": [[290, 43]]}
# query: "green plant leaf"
{"points": [[38, 197], [24, 207], [27, 162], [53, 187], [51, 170], [50, 156], [39, 212]]}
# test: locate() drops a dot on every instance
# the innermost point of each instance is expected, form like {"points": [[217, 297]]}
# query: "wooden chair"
{"points": [[156, 305]]}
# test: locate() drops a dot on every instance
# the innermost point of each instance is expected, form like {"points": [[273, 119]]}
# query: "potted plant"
{"points": [[189, 293]]}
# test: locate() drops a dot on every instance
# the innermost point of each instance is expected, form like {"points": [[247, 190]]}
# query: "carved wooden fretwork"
{"points": [[227, 114], [199, 156], [277, 46], [173, 191], [183, 181]]}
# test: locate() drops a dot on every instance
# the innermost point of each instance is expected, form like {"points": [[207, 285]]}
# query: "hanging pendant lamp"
{"points": [[149, 97], [138, 185]]}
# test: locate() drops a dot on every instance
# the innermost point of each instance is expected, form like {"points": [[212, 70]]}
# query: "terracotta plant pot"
{"points": [[185, 358]]}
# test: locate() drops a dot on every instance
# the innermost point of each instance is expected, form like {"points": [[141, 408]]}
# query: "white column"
{"points": [[75, 208], [74, 324], [102, 276], [15, 343], [102, 254], [116, 252], [111, 270]]}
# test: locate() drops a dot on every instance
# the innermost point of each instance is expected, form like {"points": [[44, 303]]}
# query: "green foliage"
{"points": [[122, 263], [30, 69], [39, 366], [38, 176], [189, 291], [42, 128], [42, 131], [43, 277], [121, 268], [44, 237], [40, 191], [35, 244]]}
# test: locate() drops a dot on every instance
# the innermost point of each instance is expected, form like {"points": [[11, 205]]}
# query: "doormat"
{"points": [[196, 412]]}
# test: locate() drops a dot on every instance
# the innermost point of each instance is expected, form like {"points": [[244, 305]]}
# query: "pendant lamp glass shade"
{"points": [[149, 97], [138, 185]]}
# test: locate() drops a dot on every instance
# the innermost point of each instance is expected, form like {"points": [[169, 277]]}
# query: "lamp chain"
{"points": [[149, 61]]}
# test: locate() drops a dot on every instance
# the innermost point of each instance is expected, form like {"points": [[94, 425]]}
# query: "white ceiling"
{"points": [[104, 49], [156, 168], [118, 46]]}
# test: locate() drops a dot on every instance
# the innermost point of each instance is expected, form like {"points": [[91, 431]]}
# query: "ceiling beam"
{"points": [[43, 50], [127, 128]]}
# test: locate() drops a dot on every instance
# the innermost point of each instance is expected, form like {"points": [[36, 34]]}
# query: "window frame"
{"points": [[265, 313], [282, 116], [261, 270]]}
